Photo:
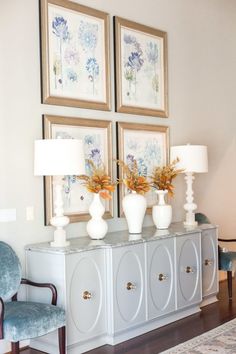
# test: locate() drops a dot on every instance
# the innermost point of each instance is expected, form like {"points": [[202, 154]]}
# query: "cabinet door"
{"points": [[127, 296], [209, 262], [86, 295], [160, 277], [188, 252]]}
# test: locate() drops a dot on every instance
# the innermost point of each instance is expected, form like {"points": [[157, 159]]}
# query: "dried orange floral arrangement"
{"points": [[132, 179], [99, 181], [162, 177]]}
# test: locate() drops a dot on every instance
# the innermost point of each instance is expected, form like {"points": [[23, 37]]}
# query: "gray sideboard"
{"points": [[125, 285]]}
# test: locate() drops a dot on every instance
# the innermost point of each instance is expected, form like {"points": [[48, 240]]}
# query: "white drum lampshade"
{"points": [[59, 157], [192, 159]]}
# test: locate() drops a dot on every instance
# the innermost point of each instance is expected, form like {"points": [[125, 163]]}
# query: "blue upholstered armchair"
{"points": [[20, 320], [227, 259]]}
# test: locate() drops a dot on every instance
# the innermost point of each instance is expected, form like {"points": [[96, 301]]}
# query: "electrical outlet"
{"points": [[30, 213]]}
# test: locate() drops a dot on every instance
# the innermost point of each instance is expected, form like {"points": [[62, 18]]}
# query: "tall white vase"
{"points": [[134, 206], [96, 226], [162, 212]]}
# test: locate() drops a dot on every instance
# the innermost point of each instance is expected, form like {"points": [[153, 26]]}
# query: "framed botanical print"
{"points": [[74, 55], [149, 146], [141, 69], [96, 136]]}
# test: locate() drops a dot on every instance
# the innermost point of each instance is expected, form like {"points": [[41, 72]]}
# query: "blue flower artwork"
{"points": [[135, 61], [92, 68], [140, 68], [148, 149], [88, 35], [152, 52], [76, 56], [72, 75], [60, 28], [93, 152], [75, 195], [142, 167]]}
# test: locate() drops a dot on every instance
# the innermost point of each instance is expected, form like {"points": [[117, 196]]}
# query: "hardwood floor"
{"points": [[168, 336]]}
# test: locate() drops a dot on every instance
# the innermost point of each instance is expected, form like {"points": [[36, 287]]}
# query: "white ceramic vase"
{"points": [[162, 212], [134, 206], [96, 226]]}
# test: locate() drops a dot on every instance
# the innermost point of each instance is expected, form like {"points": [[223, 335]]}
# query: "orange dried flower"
{"points": [[132, 179], [162, 177], [99, 182]]}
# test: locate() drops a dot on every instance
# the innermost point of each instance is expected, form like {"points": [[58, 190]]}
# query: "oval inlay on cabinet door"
{"points": [[208, 262], [188, 269], [161, 277], [86, 295], [129, 286]]}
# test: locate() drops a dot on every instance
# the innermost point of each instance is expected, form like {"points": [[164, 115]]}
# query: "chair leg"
{"points": [[229, 279], [15, 347], [62, 340]]}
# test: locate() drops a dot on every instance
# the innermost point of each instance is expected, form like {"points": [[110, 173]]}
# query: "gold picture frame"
{"points": [[97, 138], [141, 69], [74, 55], [148, 144]]}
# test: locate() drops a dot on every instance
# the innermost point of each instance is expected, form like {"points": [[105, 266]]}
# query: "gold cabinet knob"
{"points": [[87, 295], [189, 269], [208, 262], [130, 286], [162, 277]]}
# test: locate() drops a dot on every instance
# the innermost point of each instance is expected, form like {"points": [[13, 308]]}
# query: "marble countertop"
{"points": [[118, 239]]}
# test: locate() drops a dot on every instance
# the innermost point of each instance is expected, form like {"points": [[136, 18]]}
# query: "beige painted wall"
{"points": [[202, 86]]}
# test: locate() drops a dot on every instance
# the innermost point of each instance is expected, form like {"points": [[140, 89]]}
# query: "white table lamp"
{"points": [[59, 157], [192, 159]]}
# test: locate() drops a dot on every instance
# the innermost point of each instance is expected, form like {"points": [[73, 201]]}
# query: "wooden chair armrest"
{"points": [[227, 240], [43, 285], [1, 317]]}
